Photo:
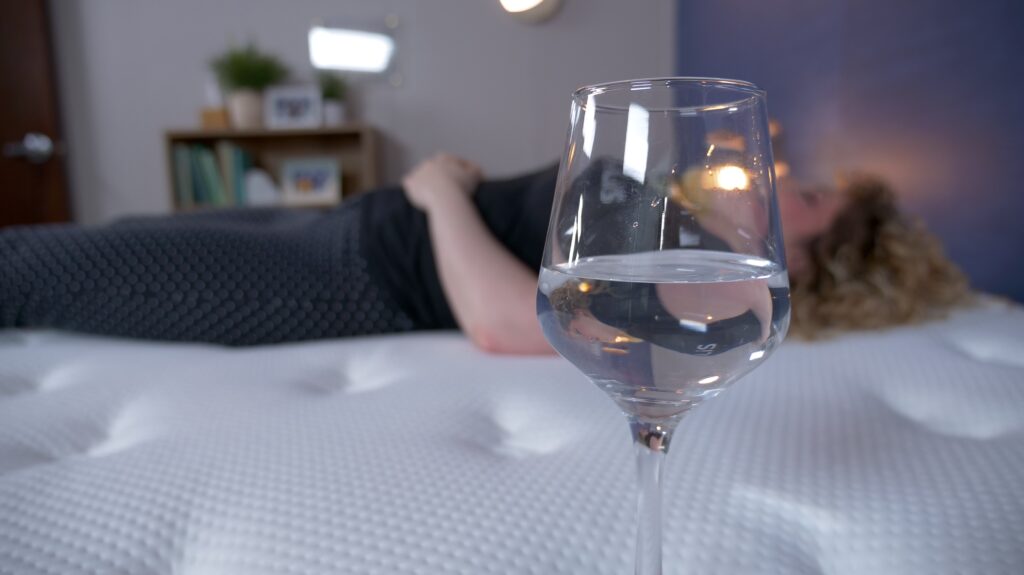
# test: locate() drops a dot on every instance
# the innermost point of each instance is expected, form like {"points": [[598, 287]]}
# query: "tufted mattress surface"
{"points": [[898, 452]]}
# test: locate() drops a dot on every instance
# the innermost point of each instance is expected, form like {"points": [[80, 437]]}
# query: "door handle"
{"points": [[34, 148]]}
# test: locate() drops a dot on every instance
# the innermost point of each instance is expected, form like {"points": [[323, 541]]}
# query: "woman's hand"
{"points": [[436, 180]]}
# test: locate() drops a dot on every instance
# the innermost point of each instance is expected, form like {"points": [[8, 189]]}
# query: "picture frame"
{"points": [[311, 181], [292, 107]]}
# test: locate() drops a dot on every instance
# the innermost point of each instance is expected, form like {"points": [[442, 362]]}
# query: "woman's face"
{"points": [[806, 214]]}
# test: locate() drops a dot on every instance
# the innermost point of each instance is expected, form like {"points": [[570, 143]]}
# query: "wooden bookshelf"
{"points": [[354, 146]]}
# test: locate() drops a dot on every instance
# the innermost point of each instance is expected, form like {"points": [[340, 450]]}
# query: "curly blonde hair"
{"points": [[873, 268]]}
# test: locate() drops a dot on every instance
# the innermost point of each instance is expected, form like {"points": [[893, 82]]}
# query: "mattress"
{"points": [[887, 452]]}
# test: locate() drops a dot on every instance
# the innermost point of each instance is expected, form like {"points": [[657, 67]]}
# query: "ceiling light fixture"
{"points": [[349, 50], [531, 11]]}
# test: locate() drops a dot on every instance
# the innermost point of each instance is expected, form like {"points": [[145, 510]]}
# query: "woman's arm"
{"points": [[492, 294]]}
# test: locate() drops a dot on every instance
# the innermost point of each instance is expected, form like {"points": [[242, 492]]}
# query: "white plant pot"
{"points": [[245, 109], [334, 113]]}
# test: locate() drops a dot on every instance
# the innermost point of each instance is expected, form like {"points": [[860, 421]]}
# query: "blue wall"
{"points": [[928, 94]]}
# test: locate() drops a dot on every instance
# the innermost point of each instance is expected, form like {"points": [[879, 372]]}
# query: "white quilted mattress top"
{"points": [[895, 452]]}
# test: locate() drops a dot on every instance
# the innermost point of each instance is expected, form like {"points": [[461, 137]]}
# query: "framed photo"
{"points": [[311, 181], [289, 107]]}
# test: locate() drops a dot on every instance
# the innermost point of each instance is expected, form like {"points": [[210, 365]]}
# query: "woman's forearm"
{"points": [[492, 294]]}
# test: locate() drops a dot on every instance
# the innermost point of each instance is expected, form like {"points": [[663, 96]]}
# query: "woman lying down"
{"points": [[444, 250]]}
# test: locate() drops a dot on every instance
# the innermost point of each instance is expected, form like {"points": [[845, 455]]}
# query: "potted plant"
{"points": [[244, 73], [333, 88]]}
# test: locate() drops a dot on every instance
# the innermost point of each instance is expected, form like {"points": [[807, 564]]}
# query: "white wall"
{"points": [[476, 81]]}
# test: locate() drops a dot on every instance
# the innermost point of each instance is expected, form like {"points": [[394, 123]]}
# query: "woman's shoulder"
{"points": [[501, 189]]}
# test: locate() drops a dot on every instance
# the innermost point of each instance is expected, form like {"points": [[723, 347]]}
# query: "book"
{"points": [[226, 159], [183, 177], [210, 176], [242, 163], [213, 183], [199, 191]]}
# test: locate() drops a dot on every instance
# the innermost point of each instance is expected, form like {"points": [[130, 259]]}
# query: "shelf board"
{"points": [[349, 130]]}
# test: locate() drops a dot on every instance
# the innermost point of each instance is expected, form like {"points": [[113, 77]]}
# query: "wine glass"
{"points": [[664, 278]]}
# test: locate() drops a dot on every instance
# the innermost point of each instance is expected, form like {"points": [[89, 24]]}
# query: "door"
{"points": [[33, 186]]}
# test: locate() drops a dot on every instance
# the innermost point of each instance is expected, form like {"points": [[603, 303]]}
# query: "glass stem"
{"points": [[651, 441]]}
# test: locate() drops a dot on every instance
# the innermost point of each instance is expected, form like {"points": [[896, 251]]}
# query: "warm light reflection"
{"points": [[732, 178], [701, 186], [584, 286], [614, 350], [726, 140], [781, 169]]}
